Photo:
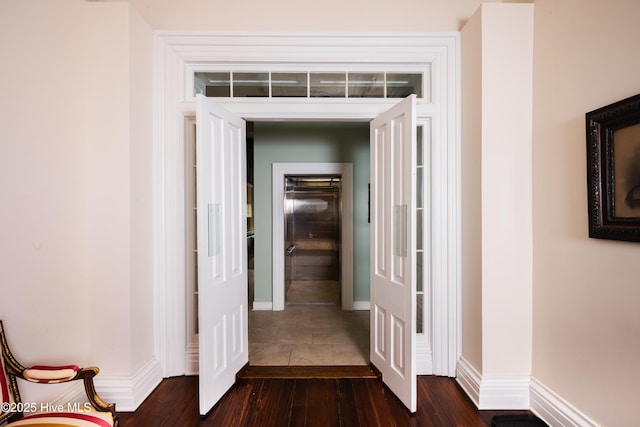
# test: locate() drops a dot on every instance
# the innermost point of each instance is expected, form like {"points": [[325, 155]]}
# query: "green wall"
{"points": [[317, 142]]}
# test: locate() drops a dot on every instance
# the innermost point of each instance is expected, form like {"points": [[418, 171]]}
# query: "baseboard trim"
{"points": [[261, 306], [469, 379], [424, 361], [493, 392], [129, 392], [362, 305], [504, 392], [554, 410], [193, 361]]}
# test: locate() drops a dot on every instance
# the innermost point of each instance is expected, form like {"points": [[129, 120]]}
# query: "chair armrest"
{"points": [[50, 374], [87, 375], [60, 374], [47, 375]]}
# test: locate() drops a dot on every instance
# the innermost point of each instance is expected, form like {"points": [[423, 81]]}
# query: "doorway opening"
{"points": [[434, 55], [312, 165], [312, 215], [313, 328]]}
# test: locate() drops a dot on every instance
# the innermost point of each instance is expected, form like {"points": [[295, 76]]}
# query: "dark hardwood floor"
{"points": [[326, 401]]}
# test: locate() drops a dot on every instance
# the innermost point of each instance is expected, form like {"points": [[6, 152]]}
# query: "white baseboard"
{"points": [[554, 410], [362, 305], [504, 393], [193, 361], [129, 392], [493, 392], [519, 393], [424, 362], [258, 305], [469, 380]]}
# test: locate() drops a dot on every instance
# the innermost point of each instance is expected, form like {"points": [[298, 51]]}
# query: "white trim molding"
{"points": [[262, 306], [126, 392], [129, 392], [554, 410], [469, 379], [179, 54], [493, 392], [362, 305], [525, 392]]}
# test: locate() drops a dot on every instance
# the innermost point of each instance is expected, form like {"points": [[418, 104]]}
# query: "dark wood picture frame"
{"points": [[613, 170]]}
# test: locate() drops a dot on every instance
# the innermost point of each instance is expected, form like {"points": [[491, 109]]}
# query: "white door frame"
{"points": [[345, 170], [179, 54]]}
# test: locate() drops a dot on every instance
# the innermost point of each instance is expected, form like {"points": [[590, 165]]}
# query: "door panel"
{"points": [[222, 249], [393, 245]]}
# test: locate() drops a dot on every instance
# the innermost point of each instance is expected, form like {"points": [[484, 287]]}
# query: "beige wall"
{"points": [[42, 233], [141, 194], [507, 52], [291, 15], [107, 207], [586, 291], [119, 190], [471, 111], [76, 185]]}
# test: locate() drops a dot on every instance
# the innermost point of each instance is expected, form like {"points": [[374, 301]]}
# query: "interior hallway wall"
{"points": [[118, 206], [42, 187], [318, 142], [288, 15], [586, 291], [76, 188]]}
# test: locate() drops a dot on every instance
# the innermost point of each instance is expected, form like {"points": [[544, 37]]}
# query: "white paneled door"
{"points": [[393, 244], [222, 249]]}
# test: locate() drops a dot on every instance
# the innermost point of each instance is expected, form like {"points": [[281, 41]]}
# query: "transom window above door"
{"points": [[238, 84]]}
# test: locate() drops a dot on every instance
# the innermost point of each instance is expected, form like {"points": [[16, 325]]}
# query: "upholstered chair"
{"points": [[18, 413]]}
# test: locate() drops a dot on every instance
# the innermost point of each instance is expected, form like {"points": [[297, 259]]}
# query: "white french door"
{"points": [[393, 248], [222, 249]]}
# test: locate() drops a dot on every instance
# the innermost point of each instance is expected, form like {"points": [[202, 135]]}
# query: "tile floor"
{"points": [[314, 291], [304, 335]]}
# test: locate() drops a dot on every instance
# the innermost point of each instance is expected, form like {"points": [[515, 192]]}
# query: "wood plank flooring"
{"points": [[295, 372], [321, 402]]}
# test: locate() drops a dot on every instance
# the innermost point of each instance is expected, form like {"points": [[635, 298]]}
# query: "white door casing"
{"points": [[393, 243], [222, 249], [179, 53]]}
